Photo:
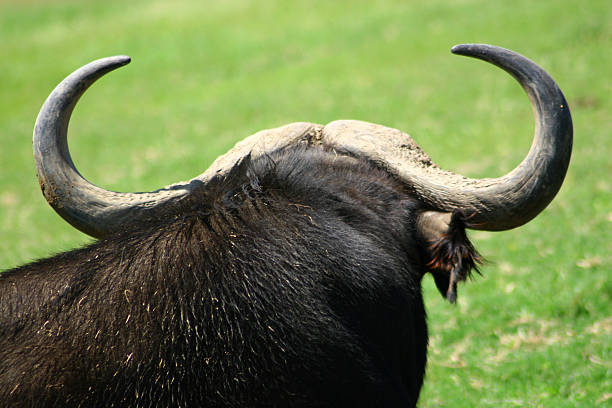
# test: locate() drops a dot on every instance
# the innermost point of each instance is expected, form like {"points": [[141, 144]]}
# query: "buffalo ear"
{"points": [[451, 257]]}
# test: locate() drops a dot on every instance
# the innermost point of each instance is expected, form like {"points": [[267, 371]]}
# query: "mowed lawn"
{"points": [[534, 331]]}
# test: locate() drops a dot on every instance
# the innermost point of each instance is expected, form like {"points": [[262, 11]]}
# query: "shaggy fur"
{"points": [[295, 282], [453, 257]]}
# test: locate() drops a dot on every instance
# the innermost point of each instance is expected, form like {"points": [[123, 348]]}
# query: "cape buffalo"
{"points": [[287, 274]]}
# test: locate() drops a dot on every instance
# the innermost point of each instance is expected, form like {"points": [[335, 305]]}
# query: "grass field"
{"points": [[534, 331]]}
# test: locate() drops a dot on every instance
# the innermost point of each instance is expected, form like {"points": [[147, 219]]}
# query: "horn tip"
{"points": [[123, 59], [104, 65], [468, 49]]}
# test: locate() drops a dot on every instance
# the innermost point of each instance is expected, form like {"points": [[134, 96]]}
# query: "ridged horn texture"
{"points": [[492, 204], [489, 204]]}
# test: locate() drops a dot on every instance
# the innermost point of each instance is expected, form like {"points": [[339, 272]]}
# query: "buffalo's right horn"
{"points": [[488, 204]]}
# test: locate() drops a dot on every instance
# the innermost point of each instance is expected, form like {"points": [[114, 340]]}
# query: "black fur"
{"points": [[297, 282]]}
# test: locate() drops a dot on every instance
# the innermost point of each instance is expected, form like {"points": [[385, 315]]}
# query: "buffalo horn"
{"points": [[490, 204]]}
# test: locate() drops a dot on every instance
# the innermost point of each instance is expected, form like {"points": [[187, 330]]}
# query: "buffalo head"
{"points": [[452, 200]]}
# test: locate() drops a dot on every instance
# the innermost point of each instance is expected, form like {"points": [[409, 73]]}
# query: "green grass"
{"points": [[534, 331]]}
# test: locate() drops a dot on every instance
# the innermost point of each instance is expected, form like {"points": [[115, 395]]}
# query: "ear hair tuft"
{"points": [[452, 257]]}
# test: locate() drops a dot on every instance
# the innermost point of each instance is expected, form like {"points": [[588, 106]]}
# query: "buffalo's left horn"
{"points": [[98, 212], [91, 209]]}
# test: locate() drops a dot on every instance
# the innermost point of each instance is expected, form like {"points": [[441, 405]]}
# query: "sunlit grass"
{"points": [[535, 330]]}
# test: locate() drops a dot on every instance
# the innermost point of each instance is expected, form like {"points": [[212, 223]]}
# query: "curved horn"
{"points": [[98, 212], [93, 210], [490, 204], [517, 197]]}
